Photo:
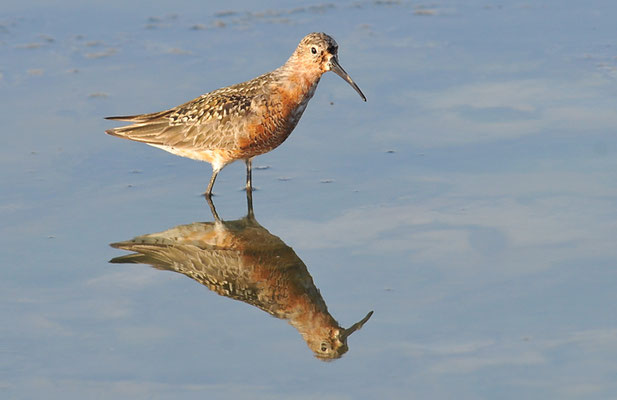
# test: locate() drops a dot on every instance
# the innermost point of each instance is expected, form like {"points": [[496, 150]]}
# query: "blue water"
{"points": [[471, 202]]}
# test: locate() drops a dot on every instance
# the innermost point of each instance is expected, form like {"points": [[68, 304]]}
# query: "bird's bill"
{"points": [[337, 69], [345, 334]]}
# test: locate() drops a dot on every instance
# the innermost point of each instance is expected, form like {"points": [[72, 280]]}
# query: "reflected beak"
{"points": [[337, 69], [345, 334]]}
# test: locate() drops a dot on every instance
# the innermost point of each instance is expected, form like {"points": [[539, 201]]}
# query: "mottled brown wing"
{"points": [[232, 259], [207, 122], [226, 272]]}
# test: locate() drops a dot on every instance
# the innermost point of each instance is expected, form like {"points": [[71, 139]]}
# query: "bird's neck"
{"points": [[296, 84], [299, 77]]}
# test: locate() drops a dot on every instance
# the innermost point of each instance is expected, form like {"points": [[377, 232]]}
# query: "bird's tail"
{"points": [[140, 117]]}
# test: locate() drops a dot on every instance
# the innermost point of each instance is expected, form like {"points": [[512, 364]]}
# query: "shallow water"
{"points": [[470, 203]]}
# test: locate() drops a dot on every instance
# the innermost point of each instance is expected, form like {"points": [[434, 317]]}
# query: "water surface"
{"points": [[471, 202]]}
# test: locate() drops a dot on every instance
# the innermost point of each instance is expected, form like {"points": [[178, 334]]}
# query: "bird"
{"points": [[241, 121]]}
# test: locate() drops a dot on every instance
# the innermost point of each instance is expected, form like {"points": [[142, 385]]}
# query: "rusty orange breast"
{"points": [[277, 117]]}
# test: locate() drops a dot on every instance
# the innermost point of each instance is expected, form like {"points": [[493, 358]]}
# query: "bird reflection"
{"points": [[241, 260]]}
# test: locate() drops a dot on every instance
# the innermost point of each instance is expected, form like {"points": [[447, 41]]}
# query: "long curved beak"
{"points": [[355, 326], [337, 69]]}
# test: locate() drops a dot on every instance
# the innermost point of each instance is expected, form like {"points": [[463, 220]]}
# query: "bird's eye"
{"points": [[313, 50]]}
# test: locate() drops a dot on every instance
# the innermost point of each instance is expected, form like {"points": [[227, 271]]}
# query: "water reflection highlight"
{"points": [[241, 260]]}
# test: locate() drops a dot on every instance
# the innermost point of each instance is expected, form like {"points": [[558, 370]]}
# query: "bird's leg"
{"points": [[208, 193], [249, 175]]}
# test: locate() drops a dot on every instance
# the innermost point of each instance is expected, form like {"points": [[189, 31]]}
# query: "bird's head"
{"points": [[318, 51]]}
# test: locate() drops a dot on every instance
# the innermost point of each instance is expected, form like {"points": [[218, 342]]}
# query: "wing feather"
{"points": [[204, 123]]}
